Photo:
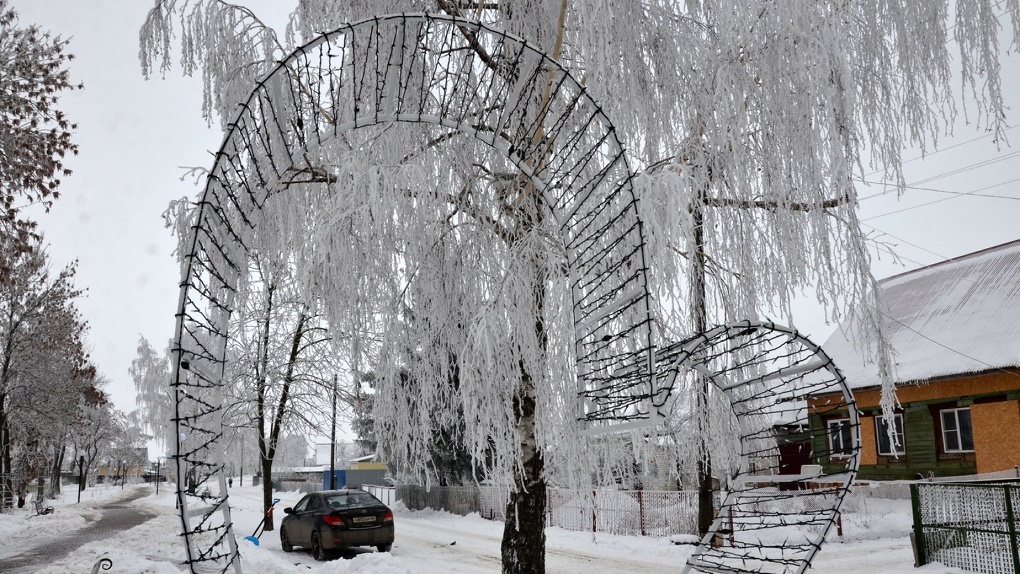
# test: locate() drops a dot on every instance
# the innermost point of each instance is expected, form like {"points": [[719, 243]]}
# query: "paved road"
{"points": [[117, 516]]}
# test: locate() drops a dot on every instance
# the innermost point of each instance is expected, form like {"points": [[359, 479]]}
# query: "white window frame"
{"points": [[899, 446], [845, 448], [957, 431]]}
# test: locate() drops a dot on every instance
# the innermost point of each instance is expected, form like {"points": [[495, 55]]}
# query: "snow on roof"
{"points": [[956, 317]]}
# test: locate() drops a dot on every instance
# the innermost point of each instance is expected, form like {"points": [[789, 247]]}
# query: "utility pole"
{"points": [[332, 441]]}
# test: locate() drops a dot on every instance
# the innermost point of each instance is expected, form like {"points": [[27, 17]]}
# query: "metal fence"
{"points": [[967, 525], [7, 494], [628, 512], [1008, 475], [386, 494], [460, 500], [625, 512]]}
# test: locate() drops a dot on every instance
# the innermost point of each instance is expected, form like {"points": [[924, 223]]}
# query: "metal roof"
{"points": [[956, 317]]}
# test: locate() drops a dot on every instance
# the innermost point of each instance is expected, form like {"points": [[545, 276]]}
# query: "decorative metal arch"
{"points": [[786, 396], [431, 69]]}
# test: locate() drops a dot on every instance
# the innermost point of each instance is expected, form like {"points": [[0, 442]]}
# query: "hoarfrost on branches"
{"points": [[150, 371], [748, 125]]}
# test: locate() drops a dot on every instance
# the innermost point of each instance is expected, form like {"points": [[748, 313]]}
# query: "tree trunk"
{"points": [[706, 509], [58, 463], [523, 547], [5, 452], [267, 491], [267, 445]]}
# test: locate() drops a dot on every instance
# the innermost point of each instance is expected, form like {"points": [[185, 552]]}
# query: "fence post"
{"points": [[922, 546], [641, 510], [549, 507], [1011, 524], [594, 520], [732, 530]]}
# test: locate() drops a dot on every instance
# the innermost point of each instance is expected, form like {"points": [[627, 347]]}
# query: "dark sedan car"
{"points": [[334, 519]]}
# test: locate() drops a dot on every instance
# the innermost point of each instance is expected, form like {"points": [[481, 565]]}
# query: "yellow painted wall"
{"points": [[996, 435], [368, 466], [869, 447]]}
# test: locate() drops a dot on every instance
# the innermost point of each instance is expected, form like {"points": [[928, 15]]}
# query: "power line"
{"points": [[920, 188], [944, 149], [915, 331], [944, 346], [970, 167], [962, 194]]}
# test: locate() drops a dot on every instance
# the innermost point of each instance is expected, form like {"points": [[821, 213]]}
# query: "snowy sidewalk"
{"points": [[49, 538]]}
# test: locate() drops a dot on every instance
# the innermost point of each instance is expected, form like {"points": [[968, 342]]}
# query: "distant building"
{"points": [[955, 328]]}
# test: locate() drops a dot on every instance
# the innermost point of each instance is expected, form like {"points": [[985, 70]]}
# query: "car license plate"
{"points": [[362, 519]]}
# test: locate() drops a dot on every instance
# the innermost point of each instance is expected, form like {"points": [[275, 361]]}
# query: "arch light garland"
{"points": [[417, 68], [413, 68], [798, 431]]}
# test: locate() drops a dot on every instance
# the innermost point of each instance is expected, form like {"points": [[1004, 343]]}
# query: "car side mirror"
{"points": [[288, 510]]}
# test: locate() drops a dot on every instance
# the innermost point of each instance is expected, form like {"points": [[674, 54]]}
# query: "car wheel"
{"points": [[384, 547], [317, 552], [285, 541]]}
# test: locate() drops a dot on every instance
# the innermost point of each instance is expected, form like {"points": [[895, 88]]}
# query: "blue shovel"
{"points": [[254, 538]]}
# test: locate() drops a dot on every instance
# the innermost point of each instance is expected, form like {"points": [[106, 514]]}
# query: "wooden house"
{"points": [[955, 330]]}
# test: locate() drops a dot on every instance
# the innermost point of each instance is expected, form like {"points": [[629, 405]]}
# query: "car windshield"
{"points": [[352, 499]]}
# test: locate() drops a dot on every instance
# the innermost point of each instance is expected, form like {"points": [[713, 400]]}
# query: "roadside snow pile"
{"points": [[369, 563], [18, 524], [261, 560], [21, 524]]}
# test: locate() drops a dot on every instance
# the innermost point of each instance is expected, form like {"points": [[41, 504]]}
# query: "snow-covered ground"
{"points": [[427, 542]]}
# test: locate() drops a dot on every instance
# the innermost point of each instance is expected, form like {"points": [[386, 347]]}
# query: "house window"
{"points": [[840, 438], [957, 433], [886, 447]]}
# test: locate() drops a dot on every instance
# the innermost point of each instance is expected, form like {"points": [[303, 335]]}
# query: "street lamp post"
{"points": [[332, 442], [81, 472]]}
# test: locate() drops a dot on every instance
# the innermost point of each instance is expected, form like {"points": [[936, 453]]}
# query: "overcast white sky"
{"points": [[135, 136]]}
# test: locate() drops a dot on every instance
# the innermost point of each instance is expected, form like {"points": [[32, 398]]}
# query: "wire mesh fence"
{"points": [[627, 512], [460, 500], [630, 512], [967, 525]]}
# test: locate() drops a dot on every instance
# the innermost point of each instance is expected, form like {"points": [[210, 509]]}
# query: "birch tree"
{"points": [[150, 372], [747, 123]]}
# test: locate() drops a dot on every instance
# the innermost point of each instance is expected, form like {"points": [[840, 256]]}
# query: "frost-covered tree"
{"points": [[98, 430], [281, 352], [42, 358], [281, 365], [747, 124], [150, 372], [35, 135], [448, 461], [363, 418], [292, 451]]}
